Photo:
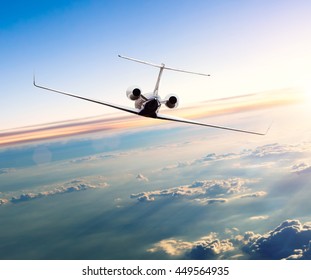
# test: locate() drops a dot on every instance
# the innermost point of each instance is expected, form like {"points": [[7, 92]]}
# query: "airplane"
{"points": [[148, 105]]}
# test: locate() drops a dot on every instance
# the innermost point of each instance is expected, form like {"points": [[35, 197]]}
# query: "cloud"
{"points": [[92, 158], [3, 201], [259, 151], [69, 187], [231, 230], [301, 254], [207, 201], [265, 156], [141, 177], [257, 218], [268, 150], [282, 242], [180, 164], [60, 190], [204, 192], [209, 158], [207, 247], [275, 150], [254, 195], [206, 250], [6, 170], [290, 240], [216, 157], [267, 164], [25, 197], [301, 168], [171, 247]]}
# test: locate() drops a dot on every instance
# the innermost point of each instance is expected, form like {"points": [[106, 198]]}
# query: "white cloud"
{"points": [[68, 187], [3, 201], [218, 157], [265, 156], [60, 190], [141, 177], [270, 150], [204, 192], [179, 164], [254, 195], [207, 247], [261, 152], [93, 158], [7, 170], [171, 247], [257, 218], [267, 164], [276, 150], [231, 230], [301, 168]]}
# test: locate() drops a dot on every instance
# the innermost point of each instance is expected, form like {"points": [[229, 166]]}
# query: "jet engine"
{"points": [[171, 101], [133, 92]]}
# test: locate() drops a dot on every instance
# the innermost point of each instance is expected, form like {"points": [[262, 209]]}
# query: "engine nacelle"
{"points": [[133, 92], [171, 101]]}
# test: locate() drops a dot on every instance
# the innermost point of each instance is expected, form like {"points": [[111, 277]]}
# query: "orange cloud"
{"points": [[120, 122]]}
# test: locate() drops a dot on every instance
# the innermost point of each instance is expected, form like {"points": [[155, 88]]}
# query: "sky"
{"points": [[82, 181], [246, 46]]}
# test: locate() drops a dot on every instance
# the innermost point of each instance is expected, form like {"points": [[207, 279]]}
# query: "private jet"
{"points": [[148, 105]]}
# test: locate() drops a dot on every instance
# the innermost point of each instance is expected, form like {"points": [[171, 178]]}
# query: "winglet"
{"points": [[34, 79], [268, 128]]}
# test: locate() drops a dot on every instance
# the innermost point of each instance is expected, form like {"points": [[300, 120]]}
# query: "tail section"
{"points": [[162, 67]]}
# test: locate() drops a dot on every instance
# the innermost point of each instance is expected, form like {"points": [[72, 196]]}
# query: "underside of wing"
{"points": [[176, 119], [122, 108]]}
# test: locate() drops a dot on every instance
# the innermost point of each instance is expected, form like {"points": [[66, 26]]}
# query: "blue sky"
{"points": [[247, 46]]}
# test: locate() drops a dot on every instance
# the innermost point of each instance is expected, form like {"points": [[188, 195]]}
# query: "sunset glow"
{"points": [[123, 122]]}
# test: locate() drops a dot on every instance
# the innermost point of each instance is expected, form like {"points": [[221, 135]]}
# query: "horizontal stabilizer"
{"points": [[162, 66]]}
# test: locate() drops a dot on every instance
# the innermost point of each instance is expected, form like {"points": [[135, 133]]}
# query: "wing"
{"points": [[136, 111], [175, 119], [122, 108]]}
